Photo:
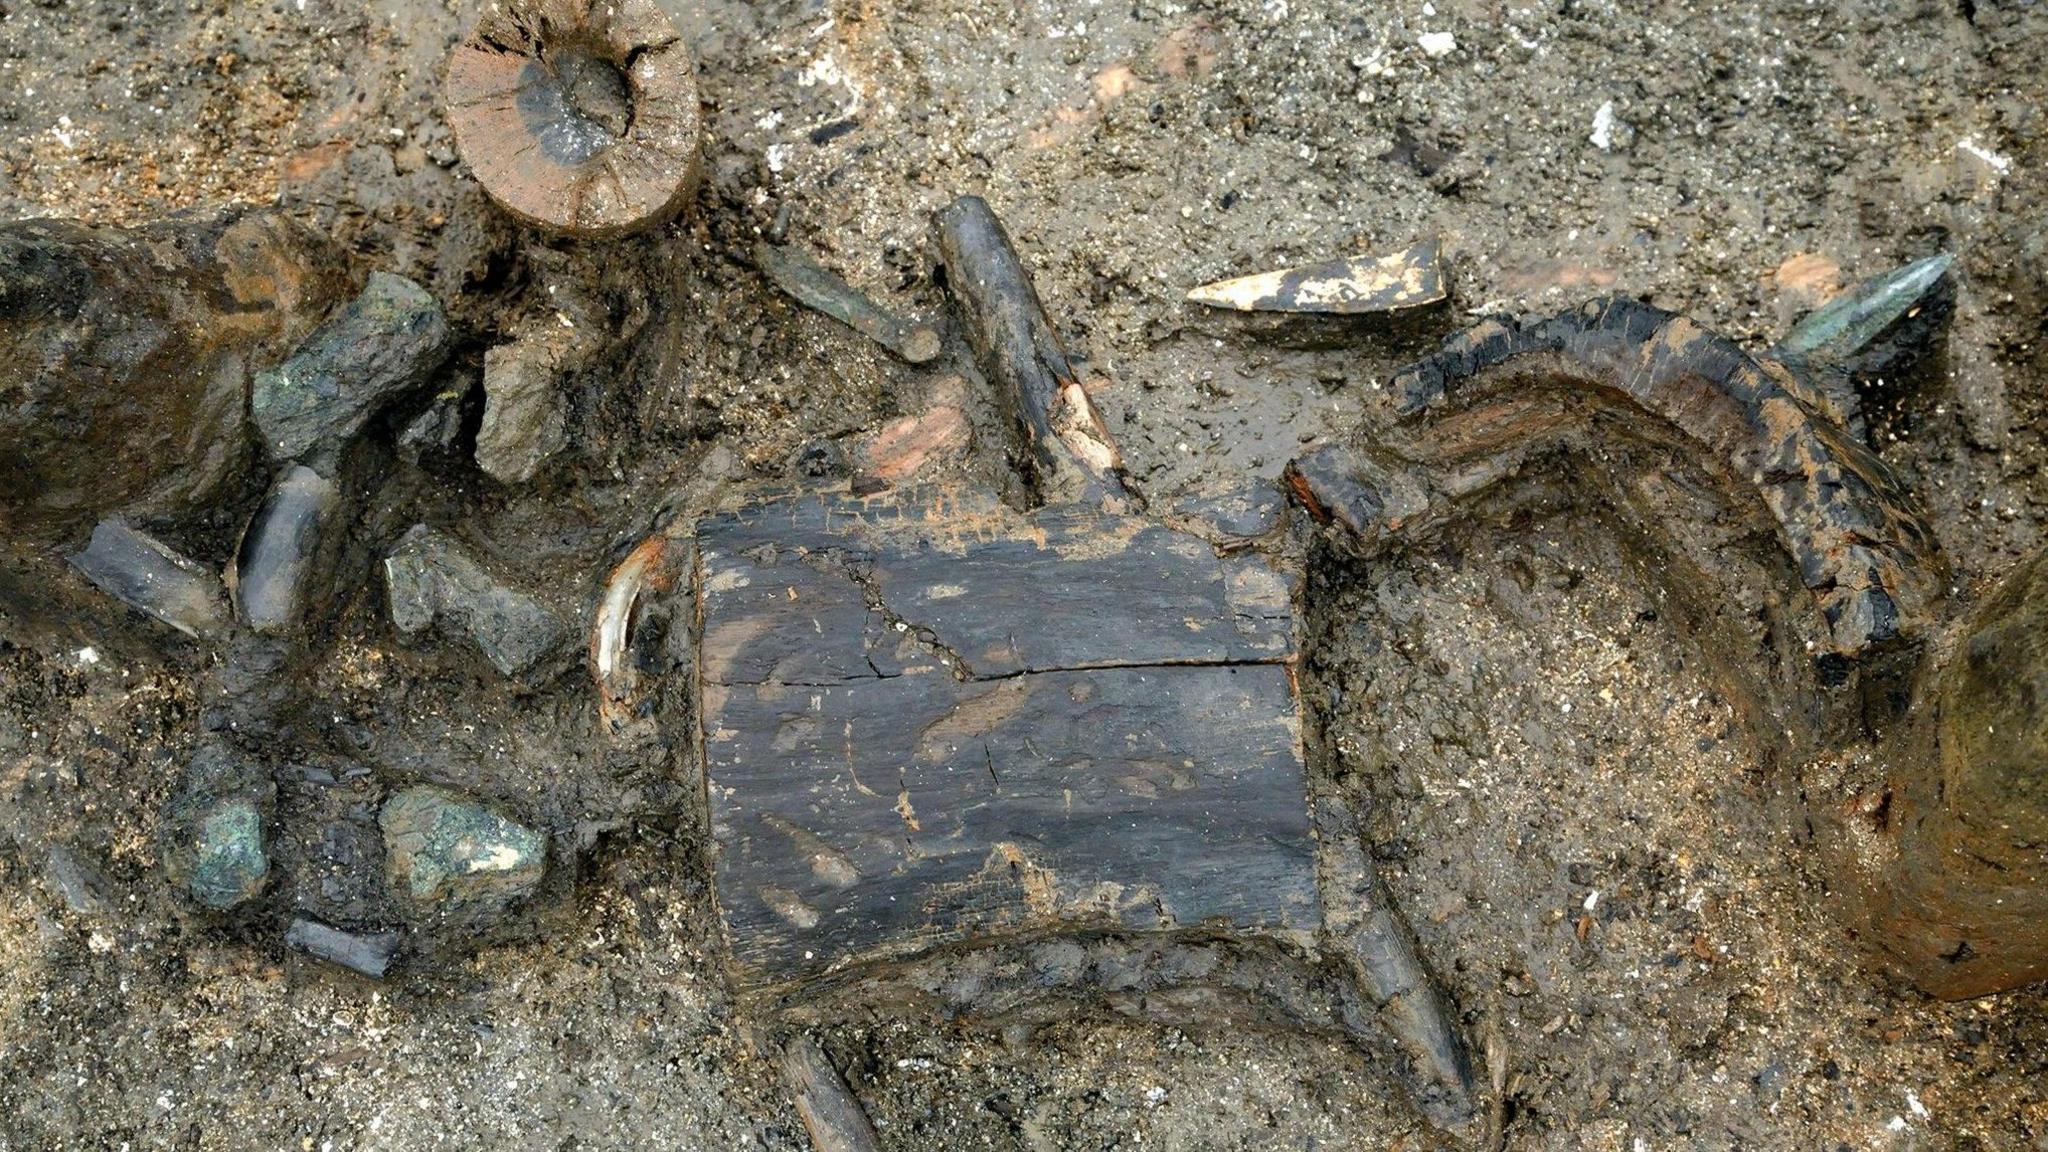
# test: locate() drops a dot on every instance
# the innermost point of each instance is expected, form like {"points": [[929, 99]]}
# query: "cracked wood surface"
{"points": [[930, 719]]}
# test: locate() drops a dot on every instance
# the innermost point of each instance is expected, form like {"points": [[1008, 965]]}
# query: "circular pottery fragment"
{"points": [[577, 116]]}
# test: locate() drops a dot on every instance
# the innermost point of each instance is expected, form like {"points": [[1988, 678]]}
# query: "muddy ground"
{"points": [[1564, 803]]}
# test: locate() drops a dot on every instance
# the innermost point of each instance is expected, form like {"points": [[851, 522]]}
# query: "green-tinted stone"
{"points": [[229, 864], [382, 344], [430, 577], [441, 848], [215, 828]]}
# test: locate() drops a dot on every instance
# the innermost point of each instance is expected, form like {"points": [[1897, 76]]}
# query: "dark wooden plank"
{"points": [[810, 590], [881, 818], [929, 719]]}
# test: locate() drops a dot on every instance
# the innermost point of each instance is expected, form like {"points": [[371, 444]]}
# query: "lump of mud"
{"points": [[125, 356]]}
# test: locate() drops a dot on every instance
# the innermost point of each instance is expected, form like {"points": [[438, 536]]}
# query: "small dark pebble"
{"points": [[821, 459], [826, 133]]}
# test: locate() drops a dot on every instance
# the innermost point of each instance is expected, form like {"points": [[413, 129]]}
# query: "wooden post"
{"points": [[1960, 906], [1068, 455]]}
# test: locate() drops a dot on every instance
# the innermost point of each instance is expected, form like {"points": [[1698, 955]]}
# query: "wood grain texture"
{"points": [[930, 719], [1862, 547]]}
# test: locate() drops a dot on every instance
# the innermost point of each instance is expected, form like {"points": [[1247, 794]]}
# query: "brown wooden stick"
{"points": [[831, 1115], [1067, 456], [1368, 935]]}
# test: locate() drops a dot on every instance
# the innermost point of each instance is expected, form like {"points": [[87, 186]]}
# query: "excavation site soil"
{"points": [[1613, 873]]}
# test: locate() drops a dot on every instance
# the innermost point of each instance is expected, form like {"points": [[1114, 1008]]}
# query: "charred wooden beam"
{"points": [[1067, 455], [929, 719], [932, 723]]}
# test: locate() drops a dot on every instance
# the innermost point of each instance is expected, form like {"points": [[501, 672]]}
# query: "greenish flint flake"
{"points": [[429, 577], [1852, 321], [379, 345], [442, 848]]}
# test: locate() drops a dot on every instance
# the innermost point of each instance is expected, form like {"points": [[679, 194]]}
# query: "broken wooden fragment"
{"points": [[577, 117], [1368, 935], [902, 449], [1067, 455], [141, 572], [1507, 391], [1368, 494], [816, 287], [831, 1115], [930, 719], [1347, 286]]}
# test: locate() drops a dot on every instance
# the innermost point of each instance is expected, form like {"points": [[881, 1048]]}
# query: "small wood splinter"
{"points": [[816, 287]]}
